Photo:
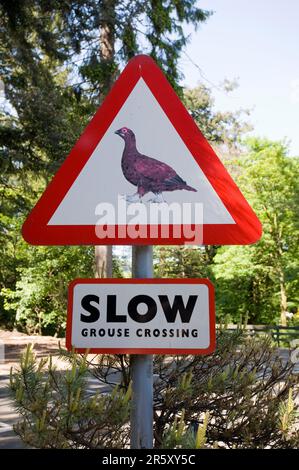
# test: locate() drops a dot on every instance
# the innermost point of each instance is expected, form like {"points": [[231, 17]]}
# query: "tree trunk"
{"points": [[103, 261], [277, 236], [107, 45], [103, 254], [283, 299]]}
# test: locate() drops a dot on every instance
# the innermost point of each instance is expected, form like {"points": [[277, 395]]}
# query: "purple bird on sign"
{"points": [[148, 174]]}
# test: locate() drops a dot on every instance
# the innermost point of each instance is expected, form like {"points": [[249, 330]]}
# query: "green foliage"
{"points": [[242, 396], [178, 435], [39, 300], [287, 416], [58, 410], [262, 279], [183, 261], [222, 128], [244, 286], [57, 62]]}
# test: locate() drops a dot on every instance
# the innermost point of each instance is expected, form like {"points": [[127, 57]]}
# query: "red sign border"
{"points": [[247, 228], [212, 321]]}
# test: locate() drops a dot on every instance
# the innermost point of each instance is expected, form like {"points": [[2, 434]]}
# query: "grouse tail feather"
{"points": [[189, 188]]}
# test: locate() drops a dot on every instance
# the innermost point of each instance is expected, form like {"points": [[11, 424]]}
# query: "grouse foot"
{"points": [[132, 198], [158, 199]]}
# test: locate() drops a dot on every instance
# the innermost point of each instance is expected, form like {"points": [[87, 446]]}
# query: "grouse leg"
{"points": [[132, 197], [159, 198]]}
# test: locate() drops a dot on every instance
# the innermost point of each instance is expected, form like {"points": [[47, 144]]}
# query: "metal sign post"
{"points": [[142, 367]]}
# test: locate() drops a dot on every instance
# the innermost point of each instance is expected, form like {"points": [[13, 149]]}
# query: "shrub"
{"points": [[242, 396], [59, 411]]}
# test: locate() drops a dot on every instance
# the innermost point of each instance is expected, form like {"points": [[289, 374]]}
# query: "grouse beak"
{"points": [[118, 132]]}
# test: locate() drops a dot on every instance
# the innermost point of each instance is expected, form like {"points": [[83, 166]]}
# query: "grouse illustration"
{"points": [[147, 173]]}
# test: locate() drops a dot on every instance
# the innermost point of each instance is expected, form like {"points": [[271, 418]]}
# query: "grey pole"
{"points": [[142, 367]]}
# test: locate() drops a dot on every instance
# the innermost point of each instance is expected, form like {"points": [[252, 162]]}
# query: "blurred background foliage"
{"points": [[57, 62]]}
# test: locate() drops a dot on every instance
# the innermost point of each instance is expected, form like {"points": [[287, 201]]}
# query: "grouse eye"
{"points": [[124, 130]]}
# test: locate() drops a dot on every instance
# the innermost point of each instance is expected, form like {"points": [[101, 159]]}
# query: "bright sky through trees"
{"points": [[257, 43]]}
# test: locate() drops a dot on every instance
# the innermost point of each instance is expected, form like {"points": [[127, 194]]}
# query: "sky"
{"points": [[256, 42]]}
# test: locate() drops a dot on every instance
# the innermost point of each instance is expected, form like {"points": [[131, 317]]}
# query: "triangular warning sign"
{"points": [[142, 173]]}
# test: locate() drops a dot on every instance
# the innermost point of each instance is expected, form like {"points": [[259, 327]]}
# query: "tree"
{"points": [[182, 262], [39, 298], [224, 130], [57, 62], [259, 281], [261, 277], [57, 56]]}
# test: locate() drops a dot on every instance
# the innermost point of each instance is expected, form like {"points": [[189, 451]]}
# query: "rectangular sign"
{"points": [[141, 316]]}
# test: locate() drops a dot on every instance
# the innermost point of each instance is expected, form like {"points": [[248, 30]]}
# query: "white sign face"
{"points": [[141, 316], [102, 178], [142, 171]]}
